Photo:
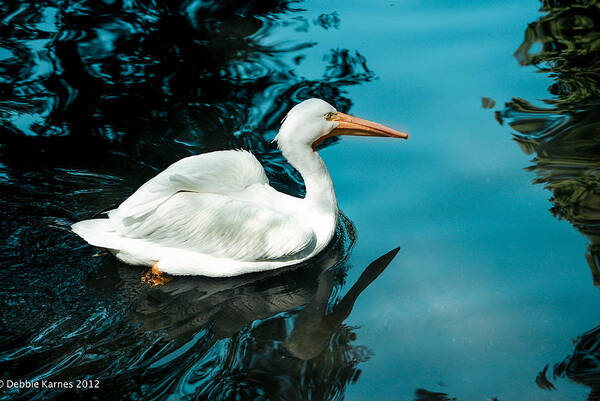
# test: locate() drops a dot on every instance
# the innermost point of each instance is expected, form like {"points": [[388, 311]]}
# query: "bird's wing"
{"points": [[215, 172], [221, 226], [194, 204]]}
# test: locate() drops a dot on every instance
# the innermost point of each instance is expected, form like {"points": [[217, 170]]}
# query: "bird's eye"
{"points": [[329, 116]]}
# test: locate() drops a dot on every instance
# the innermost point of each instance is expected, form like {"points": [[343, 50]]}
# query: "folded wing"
{"points": [[195, 205], [216, 172], [220, 226]]}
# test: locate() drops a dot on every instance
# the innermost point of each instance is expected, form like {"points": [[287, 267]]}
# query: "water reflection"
{"points": [[424, 395], [97, 97], [583, 365], [277, 335], [144, 83], [564, 136]]}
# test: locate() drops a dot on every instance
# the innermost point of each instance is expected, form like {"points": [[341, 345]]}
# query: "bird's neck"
{"points": [[319, 187]]}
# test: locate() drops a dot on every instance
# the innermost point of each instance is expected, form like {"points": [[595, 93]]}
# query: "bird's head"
{"points": [[310, 122]]}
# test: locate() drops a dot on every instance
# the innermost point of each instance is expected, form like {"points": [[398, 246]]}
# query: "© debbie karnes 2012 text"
{"points": [[41, 384]]}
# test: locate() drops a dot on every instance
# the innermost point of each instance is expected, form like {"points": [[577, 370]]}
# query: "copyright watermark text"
{"points": [[43, 384]]}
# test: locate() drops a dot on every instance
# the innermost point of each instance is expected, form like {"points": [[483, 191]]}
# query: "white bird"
{"points": [[215, 214]]}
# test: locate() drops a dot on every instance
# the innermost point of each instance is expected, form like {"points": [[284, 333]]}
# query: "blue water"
{"points": [[488, 286]]}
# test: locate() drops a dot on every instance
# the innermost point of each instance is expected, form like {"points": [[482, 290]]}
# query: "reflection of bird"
{"points": [[216, 215], [314, 327], [184, 307], [277, 333]]}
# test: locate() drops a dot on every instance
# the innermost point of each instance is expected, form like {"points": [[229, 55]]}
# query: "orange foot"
{"points": [[155, 277]]}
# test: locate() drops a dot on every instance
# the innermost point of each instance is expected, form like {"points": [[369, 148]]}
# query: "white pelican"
{"points": [[215, 214]]}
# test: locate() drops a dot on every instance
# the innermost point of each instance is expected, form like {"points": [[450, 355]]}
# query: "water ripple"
{"points": [[99, 97], [565, 139]]}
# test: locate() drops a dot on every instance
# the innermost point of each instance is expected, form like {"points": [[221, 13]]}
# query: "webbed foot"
{"points": [[155, 277]]}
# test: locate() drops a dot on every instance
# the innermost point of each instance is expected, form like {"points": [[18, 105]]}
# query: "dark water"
{"points": [[490, 294], [564, 137]]}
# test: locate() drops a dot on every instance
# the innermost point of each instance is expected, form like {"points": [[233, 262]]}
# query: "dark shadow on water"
{"points": [[583, 365], [97, 97], [126, 88], [424, 395], [275, 336], [564, 136]]}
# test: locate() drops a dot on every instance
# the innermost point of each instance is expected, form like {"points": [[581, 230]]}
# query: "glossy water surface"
{"points": [[494, 291]]}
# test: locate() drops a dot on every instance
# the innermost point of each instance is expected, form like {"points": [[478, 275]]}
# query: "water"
{"points": [[493, 292]]}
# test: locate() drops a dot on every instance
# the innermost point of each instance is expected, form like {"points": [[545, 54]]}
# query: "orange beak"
{"points": [[350, 125]]}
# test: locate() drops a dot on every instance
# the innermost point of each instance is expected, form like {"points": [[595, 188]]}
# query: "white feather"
{"points": [[215, 214], [218, 172]]}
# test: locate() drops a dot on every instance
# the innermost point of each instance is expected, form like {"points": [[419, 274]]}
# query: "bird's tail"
{"points": [[98, 232]]}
